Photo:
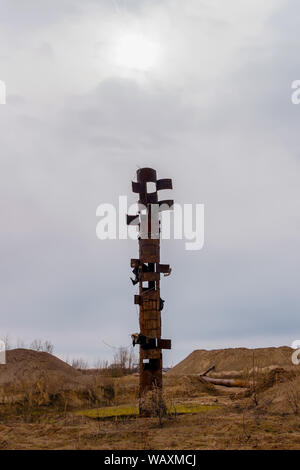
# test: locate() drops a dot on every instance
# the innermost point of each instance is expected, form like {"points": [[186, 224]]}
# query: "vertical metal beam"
{"points": [[148, 276]]}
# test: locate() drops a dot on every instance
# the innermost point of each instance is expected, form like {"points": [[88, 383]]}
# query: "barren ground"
{"points": [[44, 414]]}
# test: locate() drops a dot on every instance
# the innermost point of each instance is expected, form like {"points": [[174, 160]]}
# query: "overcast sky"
{"points": [[206, 100]]}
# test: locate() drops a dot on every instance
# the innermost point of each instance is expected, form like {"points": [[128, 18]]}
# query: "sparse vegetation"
{"points": [[153, 404], [293, 397], [53, 405], [35, 345], [40, 345], [80, 364], [123, 362]]}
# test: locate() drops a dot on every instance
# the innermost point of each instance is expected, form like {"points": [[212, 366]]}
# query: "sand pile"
{"points": [[187, 386], [275, 377], [234, 361], [282, 398], [24, 366]]}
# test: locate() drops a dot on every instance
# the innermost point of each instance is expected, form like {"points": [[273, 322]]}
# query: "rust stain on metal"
{"points": [[147, 270]]}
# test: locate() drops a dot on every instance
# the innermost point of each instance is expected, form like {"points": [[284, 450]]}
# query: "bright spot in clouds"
{"points": [[135, 51]]}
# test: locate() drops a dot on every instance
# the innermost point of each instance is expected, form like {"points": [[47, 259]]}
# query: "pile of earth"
{"points": [[234, 362], [283, 398], [25, 367]]}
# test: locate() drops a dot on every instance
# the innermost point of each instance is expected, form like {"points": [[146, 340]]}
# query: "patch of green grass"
{"points": [[110, 411], [132, 410]]}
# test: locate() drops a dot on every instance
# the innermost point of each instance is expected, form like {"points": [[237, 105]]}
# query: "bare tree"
{"points": [[36, 345], [79, 363], [48, 347], [101, 364], [39, 345], [124, 360], [6, 341]]}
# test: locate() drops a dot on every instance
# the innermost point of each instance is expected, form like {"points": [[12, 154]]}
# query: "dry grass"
{"points": [[44, 414], [221, 428]]}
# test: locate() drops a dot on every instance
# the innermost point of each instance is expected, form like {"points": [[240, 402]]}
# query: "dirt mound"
{"points": [[187, 386], [233, 361], [27, 366], [274, 377], [32, 379], [283, 398]]}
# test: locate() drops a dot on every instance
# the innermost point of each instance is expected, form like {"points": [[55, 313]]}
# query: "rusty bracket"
{"points": [[162, 268]]}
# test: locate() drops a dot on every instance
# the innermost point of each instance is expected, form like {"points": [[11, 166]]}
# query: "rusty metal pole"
{"points": [[148, 270]]}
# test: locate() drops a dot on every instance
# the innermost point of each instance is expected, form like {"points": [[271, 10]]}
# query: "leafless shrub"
{"points": [[102, 368], [171, 405], [48, 347], [245, 434], [79, 363], [6, 341], [256, 377], [153, 404], [101, 364], [40, 345], [109, 392], [36, 345], [293, 398]]}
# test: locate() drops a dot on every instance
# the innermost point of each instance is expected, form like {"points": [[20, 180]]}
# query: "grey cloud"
{"points": [[121, 114], [236, 151]]}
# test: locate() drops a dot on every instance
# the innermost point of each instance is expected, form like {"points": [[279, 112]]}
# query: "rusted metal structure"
{"points": [[147, 270], [226, 382], [223, 382]]}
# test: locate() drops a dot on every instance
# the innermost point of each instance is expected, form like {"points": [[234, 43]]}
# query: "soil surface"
{"points": [[234, 361]]}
